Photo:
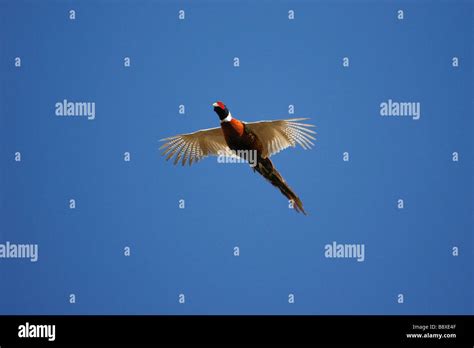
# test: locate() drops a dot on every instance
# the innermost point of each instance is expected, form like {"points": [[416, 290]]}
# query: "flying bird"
{"points": [[234, 137]]}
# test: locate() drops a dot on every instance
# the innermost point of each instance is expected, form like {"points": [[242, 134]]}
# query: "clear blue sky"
{"points": [[190, 250]]}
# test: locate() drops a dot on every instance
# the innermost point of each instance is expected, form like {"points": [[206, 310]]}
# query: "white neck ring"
{"points": [[227, 119]]}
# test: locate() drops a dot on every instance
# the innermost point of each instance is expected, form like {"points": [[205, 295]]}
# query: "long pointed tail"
{"points": [[268, 171]]}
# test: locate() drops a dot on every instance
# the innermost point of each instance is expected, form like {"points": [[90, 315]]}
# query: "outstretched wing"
{"points": [[195, 146], [278, 135]]}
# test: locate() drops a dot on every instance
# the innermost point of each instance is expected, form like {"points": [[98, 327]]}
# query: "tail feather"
{"points": [[268, 171]]}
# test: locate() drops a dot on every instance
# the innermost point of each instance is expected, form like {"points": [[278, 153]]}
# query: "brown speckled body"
{"points": [[239, 137]]}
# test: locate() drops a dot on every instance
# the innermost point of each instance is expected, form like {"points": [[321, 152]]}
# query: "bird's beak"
{"points": [[215, 105]]}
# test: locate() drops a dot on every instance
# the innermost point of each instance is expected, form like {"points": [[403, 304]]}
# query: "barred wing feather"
{"points": [[281, 134], [192, 147]]}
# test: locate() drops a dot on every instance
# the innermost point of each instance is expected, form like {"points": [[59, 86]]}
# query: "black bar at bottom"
{"points": [[133, 330]]}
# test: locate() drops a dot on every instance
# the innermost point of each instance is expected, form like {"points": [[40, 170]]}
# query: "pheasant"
{"points": [[238, 138]]}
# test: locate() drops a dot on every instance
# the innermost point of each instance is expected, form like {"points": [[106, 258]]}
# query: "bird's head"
{"points": [[221, 110]]}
